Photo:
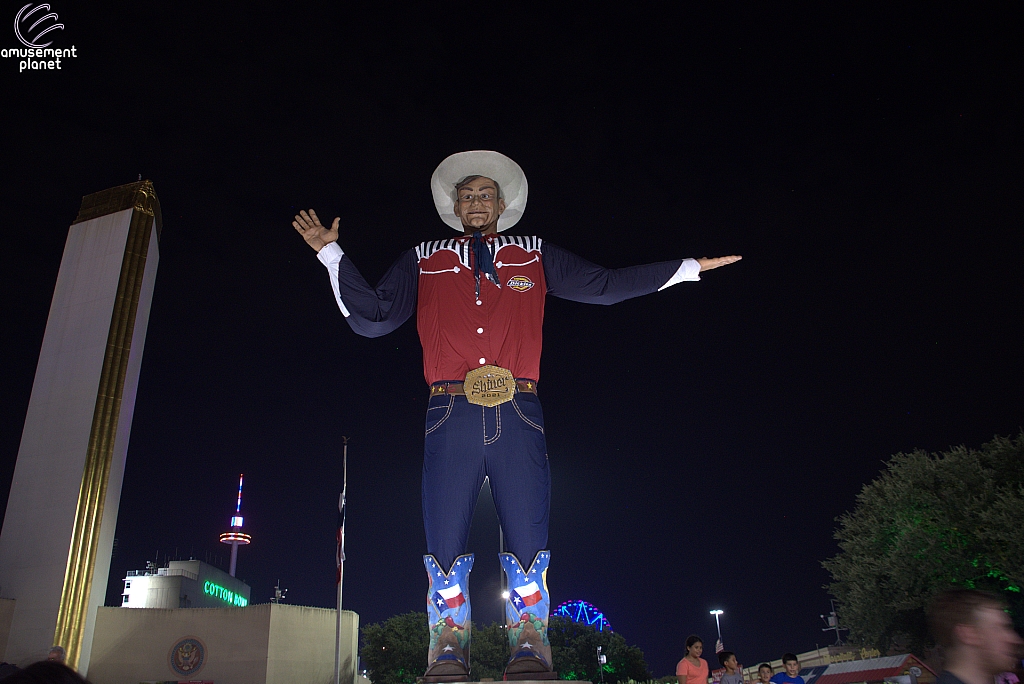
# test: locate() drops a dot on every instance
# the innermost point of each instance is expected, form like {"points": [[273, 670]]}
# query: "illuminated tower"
{"points": [[236, 537], [62, 511]]}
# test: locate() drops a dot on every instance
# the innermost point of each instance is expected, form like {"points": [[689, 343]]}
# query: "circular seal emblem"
{"points": [[187, 656]]}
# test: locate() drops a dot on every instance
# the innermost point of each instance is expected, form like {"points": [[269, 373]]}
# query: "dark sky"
{"points": [[864, 163]]}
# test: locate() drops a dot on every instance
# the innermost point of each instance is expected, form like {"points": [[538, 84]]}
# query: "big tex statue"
{"points": [[479, 303]]}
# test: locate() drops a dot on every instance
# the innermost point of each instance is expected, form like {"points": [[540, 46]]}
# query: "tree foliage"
{"points": [[395, 651], [490, 652], [929, 522], [574, 651]]}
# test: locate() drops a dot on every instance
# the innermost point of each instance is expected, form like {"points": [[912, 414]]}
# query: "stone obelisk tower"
{"points": [[59, 528]]}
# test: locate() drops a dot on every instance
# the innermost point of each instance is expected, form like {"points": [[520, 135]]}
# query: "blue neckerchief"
{"points": [[482, 262]]}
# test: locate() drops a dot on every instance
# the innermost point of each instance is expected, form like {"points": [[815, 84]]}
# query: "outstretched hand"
{"points": [[708, 264], [313, 232]]}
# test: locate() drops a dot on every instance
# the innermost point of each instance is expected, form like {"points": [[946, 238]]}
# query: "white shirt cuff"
{"points": [[330, 253], [687, 271], [330, 256]]}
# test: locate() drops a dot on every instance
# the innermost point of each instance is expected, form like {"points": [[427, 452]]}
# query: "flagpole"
{"points": [[341, 559]]}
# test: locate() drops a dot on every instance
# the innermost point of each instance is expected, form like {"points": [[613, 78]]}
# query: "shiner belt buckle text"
{"points": [[489, 386]]}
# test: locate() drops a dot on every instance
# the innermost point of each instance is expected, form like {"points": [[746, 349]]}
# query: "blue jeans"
{"points": [[465, 442]]}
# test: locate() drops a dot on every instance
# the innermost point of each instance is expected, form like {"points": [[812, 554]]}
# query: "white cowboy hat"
{"points": [[494, 165]]}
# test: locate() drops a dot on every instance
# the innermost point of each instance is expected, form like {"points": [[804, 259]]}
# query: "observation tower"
{"points": [[236, 537]]}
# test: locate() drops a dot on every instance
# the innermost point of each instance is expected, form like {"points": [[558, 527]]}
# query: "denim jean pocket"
{"points": [[438, 410], [529, 410]]}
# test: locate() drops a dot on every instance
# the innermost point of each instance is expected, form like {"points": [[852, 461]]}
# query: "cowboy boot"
{"points": [[526, 617], [448, 619]]}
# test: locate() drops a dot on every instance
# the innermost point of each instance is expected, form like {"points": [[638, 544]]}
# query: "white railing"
{"points": [[174, 572]]}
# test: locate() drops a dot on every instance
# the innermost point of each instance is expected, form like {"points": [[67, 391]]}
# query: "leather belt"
{"points": [[458, 388]]}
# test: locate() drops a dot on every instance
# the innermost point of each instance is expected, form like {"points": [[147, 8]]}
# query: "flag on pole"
{"points": [[340, 559], [340, 535], [719, 647]]}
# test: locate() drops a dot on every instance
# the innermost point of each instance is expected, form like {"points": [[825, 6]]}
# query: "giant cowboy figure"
{"points": [[479, 303]]}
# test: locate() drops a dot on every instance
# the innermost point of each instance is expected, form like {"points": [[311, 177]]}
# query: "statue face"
{"points": [[478, 206]]}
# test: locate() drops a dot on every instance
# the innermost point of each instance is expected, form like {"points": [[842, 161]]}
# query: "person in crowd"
{"points": [[764, 673], [45, 672], [693, 669], [975, 636], [732, 675], [791, 674]]}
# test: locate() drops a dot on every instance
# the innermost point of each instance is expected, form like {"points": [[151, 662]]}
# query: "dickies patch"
{"points": [[520, 283]]}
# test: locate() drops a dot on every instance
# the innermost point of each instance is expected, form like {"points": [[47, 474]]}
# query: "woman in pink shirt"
{"points": [[693, 669]]}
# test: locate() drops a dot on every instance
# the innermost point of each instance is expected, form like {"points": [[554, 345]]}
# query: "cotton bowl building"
{"points": [[183, 584]]}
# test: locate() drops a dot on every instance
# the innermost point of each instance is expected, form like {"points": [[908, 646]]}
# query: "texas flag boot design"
{"points": [[526, 616], [448, 619]]}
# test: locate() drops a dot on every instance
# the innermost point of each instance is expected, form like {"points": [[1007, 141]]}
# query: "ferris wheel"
{"points": [[585, 612]]}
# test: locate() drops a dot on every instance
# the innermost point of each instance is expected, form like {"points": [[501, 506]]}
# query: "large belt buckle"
{"points": [[489, 386]]}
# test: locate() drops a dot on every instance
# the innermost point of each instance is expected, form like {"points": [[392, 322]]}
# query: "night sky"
{"points": [[702, 440]]}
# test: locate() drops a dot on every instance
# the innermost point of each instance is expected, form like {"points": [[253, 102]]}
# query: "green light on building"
{"points": [[225, 595]]}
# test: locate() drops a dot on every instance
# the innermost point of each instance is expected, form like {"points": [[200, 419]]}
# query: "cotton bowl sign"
{"points": [[35, 26]]}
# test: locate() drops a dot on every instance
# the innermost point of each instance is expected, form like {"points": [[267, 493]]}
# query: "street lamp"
{"points": [[716, 613]]}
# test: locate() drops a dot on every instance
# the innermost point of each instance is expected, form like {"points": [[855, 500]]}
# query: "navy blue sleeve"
{"points": [[376, 311], [574, 278]]}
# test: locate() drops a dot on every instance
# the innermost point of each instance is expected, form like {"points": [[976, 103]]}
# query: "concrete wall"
{"points": [[6, 617], [302, 645], [264, 644]]}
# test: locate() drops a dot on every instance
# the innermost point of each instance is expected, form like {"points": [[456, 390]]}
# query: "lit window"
{"points": [[236, 521]]}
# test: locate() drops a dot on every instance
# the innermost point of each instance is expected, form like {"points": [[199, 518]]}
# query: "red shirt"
{"points": [[459, 331], [694, 674]]}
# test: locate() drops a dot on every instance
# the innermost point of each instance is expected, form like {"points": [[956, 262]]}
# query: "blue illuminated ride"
{"points": [[582, 611]]}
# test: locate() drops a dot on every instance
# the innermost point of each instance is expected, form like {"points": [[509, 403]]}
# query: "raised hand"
{"points": [[313, 232], [707, 264]]}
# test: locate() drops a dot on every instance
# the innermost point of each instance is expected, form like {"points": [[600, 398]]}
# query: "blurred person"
{"points": [[57, 654], [693, 669], [975, 635], [46, 672], [764, 673]]}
